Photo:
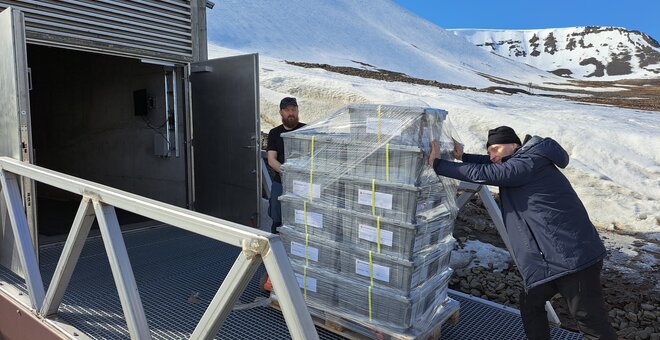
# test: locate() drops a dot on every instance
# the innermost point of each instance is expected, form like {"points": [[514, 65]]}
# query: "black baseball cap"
{"points": [[286, 101]]}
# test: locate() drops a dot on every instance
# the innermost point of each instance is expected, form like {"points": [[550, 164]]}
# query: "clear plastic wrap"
{"points": [[336, 224], [369, 266], [366, 222], [380, 306]]}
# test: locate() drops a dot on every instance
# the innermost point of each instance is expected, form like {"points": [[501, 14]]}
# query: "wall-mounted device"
{"points": [[140, 102]]}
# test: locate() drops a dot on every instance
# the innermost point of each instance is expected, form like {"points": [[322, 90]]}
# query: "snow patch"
{"points": [[484, 254]]}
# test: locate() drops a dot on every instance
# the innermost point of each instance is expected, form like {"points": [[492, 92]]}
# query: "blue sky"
{"points": [[518, 14]]}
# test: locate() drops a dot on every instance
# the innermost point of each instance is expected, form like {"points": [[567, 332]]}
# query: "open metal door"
{"points": [[226, 138], [15, 138]]}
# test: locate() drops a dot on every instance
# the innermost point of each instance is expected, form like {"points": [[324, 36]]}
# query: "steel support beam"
{"points": [[26, 251], [69, 258], [121, 271], [265, 175], [224, 300], [495, 215], [285, 286]]}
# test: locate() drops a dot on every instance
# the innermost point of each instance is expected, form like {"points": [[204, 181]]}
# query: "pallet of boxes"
{"points": [[367, 224]]}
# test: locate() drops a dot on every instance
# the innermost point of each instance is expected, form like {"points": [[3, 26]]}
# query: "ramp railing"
{"points": [[99, 202]]}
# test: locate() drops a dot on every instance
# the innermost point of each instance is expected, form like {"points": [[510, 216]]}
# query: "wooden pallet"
{"points": [[358, 331]]}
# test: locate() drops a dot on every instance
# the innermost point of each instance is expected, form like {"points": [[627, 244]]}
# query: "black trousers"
{"points": [[584, 296]]}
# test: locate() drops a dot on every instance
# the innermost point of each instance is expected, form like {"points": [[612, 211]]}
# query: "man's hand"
{"points": [[435, 152], [458, 150]]}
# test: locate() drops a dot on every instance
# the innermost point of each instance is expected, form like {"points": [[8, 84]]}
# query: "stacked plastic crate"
{"points": [[367, 224]]}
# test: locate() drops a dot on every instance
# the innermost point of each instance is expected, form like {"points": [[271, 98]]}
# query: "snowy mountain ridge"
{"points": [[592, 52], [377, 34]]}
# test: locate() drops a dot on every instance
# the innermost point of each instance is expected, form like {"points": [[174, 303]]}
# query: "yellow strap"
{"points": [[305, 281], [378, 228], [378, 123], [369, 303], [307, 249], [371, 276], [305, 215], [387, 162], [373, 197], [371, 267], [306, 234], [311, 171]]}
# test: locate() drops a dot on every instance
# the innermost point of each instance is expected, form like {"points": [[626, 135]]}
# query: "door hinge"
{"points": [[200, 68]]}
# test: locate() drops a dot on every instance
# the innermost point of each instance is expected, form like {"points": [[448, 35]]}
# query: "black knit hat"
{"points": [[502, 135], [287, 101]]}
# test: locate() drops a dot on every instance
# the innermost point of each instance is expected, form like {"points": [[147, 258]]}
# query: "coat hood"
{"points": [[547, 148]]}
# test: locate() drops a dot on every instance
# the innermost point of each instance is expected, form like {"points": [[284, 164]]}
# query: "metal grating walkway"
{"points": [[171, 265]]}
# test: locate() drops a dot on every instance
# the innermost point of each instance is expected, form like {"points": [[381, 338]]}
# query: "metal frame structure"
{"points": [[171, 89], [15, 116], [99, 201]]}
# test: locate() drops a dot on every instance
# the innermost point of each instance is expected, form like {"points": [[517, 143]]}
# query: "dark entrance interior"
{"points": [[101, 118]]}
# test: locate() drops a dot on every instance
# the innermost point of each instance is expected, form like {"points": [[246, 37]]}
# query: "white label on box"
{"points": [[301, 188], [298, 249], [313, 219], [387, 126], [371, 234], [311, 282], [381, 273], [380, 200]]}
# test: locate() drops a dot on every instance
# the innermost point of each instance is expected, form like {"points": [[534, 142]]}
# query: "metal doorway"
{"points": [[225, 143]]}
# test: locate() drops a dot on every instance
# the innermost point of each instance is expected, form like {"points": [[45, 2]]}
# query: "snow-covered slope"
{"points": [[353, 33], [579, 52], [615, 174]]}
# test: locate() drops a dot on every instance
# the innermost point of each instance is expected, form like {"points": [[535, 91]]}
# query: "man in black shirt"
{"points": [[289, 113]]}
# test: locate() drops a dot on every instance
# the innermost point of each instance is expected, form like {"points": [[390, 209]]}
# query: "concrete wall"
{"points": [[83, 122]]}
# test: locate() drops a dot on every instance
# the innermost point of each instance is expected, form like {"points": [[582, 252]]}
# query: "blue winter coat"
{"points": [[548, 226]]}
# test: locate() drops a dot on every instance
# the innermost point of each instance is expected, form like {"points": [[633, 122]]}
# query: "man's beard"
{"points": [[290, 122]]}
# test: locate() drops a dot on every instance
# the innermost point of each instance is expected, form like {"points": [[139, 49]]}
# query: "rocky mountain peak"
{"points": [[578, 52]]}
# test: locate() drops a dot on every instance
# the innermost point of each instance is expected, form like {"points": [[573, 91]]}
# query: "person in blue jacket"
{"points": [[555, 246]]}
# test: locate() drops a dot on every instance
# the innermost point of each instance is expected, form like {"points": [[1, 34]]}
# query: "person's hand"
{"points": [[435, 152], [458, 150]]}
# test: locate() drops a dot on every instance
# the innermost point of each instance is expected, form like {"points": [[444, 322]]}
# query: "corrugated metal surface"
{"points": [[154, 29]]}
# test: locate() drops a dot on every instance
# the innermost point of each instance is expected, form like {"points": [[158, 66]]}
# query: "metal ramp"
{"points": [[178, 272]]}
